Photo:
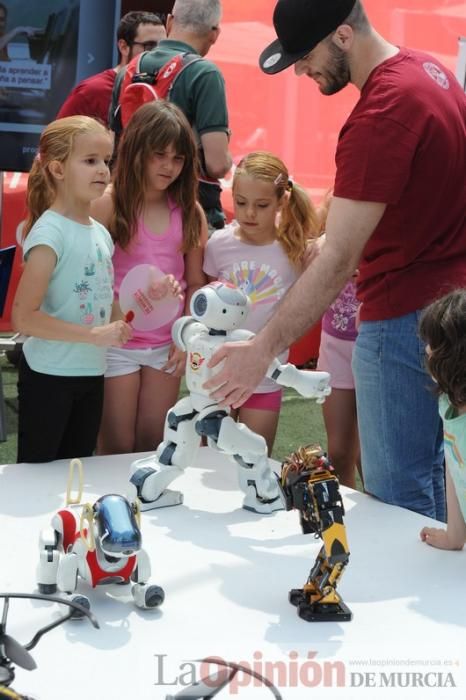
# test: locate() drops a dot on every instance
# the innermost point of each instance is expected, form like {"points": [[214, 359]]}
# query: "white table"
{"points": [[226, 574]]}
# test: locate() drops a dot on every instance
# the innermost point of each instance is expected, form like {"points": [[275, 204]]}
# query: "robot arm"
{"points": [[184, 329], [312, 385], [309, 484]]}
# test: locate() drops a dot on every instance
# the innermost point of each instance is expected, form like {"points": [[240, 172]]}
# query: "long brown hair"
{"points": [[56, 143], [154, 127], [443, 328], [298, 218]]}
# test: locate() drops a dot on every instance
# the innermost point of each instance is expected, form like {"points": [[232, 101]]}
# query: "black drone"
{"points": [[12, 653]]}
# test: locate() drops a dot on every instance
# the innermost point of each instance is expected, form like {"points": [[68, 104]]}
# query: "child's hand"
{"points": [[312, 251], [112, 334], [158, 289], [437, 537], [176, 363]]}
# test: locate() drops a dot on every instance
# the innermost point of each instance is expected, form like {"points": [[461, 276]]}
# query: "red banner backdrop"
{"points": [[282, 113], [288, 115], [13, 213]]}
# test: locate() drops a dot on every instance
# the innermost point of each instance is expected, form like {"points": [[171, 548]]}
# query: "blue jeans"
{"points": [[400, 428]]}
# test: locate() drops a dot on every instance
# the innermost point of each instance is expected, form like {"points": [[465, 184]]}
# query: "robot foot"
{"points": [[82, 600], [147, 596], [166, 498], [47, 588], [318, 612], [252, 502]]}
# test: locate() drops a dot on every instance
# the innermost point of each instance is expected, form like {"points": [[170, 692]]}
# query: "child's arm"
{"points": [[454, 536], [312, 251], [194, 275], [28, 318], [195, 279]]}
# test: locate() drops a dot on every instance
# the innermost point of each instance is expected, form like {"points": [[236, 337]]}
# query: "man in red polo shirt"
{"points": [[137, 32], [398, 215]]}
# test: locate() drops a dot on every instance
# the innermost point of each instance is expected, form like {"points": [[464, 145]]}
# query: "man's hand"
{"points": [[244, 364]]}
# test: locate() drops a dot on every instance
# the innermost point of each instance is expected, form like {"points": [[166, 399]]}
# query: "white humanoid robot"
{"points": [[218, 312], [99, 543]]}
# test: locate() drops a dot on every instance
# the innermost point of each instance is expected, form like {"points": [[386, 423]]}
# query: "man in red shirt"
{"points": [[398, 215], [137, 32]]}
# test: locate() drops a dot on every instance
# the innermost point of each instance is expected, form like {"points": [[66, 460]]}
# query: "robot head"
{"points": [[220, 306], [117, 530]]}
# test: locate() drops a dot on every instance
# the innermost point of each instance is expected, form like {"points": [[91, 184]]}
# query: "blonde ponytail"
{"points": [[40, 195], [299, 223]]}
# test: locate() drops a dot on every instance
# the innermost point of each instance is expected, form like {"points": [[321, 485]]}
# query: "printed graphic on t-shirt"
{"points": [[457, 468], [344, 309], [261, 283], [452, 448], [94, 292], [437, 74]]}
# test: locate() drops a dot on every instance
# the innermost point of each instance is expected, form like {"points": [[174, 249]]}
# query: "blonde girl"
{"points": [[64, 298], [154, 218], [263, 252]]}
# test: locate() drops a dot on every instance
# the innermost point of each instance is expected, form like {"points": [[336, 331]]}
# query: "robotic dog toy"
{"points": [[309, 485], [101, 543], [218, 311]]}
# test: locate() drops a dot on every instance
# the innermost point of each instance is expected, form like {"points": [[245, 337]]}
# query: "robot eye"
{"points": [[224, 311], [200, 305]]}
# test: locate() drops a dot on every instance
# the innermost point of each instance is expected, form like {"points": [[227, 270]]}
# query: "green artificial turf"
{"points": [[300, 420]]}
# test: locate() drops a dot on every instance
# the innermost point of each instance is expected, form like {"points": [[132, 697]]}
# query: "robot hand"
{"points": [[312, 385]]}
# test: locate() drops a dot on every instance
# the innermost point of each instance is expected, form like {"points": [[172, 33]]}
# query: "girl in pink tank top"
{"points": [[154, 218]]}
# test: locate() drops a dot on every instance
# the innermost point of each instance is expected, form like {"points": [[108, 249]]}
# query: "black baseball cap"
{"points": [[300, 25]]}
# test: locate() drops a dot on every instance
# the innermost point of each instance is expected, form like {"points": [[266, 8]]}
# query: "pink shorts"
{"points": [[270, 401], [335, 357]]}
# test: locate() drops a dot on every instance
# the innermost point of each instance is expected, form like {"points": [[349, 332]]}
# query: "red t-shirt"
{"points": [[91, 97], [404, 144]]}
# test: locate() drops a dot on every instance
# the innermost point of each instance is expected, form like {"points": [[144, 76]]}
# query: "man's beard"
{"points": [[337, 74]]}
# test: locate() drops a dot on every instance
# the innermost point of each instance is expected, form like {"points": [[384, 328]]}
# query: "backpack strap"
{"points": [[114, 112], [169, 73]]}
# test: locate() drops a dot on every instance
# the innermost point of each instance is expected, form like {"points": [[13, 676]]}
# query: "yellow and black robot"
{"points": [[309, 484]]}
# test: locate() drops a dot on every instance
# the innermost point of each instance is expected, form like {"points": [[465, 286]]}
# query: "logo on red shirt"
{"points": [[437, 74]]}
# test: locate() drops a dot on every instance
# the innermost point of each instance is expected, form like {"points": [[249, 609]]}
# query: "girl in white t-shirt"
{"points": [[64, 298], [263, 252]]}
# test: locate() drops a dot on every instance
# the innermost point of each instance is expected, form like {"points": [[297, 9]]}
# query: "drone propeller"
{"points": [[206, 688], [17, 653], [12, 652]]}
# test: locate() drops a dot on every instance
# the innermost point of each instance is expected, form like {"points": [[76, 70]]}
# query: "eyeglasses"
{"points": [[146, 45]]}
